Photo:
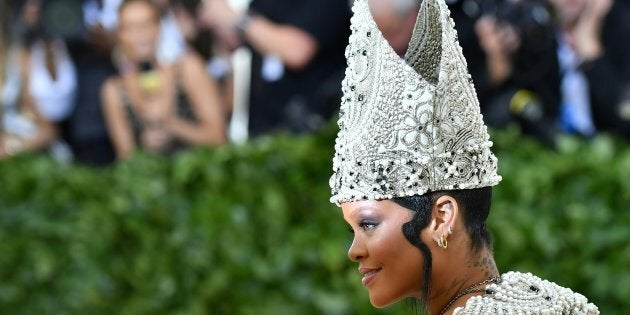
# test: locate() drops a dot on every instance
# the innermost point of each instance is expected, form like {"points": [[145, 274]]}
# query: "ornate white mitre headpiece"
{"points": [[409, 126]]}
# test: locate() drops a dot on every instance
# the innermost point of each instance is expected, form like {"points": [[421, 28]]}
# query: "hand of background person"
{"points": [[293, 45], [586, 35], [157, 110], [10, 145], [499, 41], [218, 13], [496, 38], [155, 113], [221, 19], [154, 138]]}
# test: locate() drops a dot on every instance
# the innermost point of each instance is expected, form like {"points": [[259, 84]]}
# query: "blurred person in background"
{"points": [[511, 48], [41, 72], [90, 48], [181, 22], [185, 13], [8, 91], [153, 106], [396, 19], [594, 58], [298, 59], [172, 43]]}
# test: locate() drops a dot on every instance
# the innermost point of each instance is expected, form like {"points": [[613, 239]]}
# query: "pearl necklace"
{"points": [[471, 289]]}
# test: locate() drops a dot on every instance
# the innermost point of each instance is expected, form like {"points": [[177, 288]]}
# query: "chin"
{"points": [[379, 304], [144, 56], [380, 301]]}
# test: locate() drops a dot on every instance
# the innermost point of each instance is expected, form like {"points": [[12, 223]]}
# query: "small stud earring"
{"points": [[450, 230]]}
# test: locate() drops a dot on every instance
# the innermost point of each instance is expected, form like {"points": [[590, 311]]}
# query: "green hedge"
{"points": [[249, 230]]}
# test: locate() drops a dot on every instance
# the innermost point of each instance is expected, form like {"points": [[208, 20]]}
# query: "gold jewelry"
{"points": [[442, 242], [471, 289]]}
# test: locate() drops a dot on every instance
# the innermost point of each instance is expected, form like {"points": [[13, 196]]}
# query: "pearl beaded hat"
{"points": [[408, 126]]}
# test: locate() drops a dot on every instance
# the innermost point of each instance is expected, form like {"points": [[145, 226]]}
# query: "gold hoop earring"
{"points": [[442, 242]]}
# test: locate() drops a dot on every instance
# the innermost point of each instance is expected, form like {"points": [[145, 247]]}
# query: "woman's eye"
{"points": [[366, 226]]}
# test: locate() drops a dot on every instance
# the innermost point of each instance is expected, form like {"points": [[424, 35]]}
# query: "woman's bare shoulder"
{"points": [[110, 90]]}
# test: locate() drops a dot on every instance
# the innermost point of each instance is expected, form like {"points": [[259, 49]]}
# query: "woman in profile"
{"points": [[413, 174], [157, 107]]}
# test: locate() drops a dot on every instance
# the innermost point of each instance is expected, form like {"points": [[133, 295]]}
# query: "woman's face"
{"points": [[390, 265], [138, 30]]}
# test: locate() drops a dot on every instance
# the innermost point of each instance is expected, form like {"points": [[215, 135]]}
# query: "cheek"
{"points": [[150, 33], [402, 265], [127, 38], [404, 270], [139, 43], [387, 244]]}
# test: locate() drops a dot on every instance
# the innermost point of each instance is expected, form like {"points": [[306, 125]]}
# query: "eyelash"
{"points": [[365, 226]]}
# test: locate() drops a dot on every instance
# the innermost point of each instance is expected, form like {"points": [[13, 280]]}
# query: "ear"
{"points": [[445, 213]]}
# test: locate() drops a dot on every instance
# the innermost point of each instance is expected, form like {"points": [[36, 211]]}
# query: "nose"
{"points": [[357, 251]]}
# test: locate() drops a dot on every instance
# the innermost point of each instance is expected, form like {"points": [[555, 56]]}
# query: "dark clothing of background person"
{"points": [[609, 76], [465, 25], [534, 66], [301, 100], [88, 134]]}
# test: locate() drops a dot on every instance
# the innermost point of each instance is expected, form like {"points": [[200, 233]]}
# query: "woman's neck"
{"points": [[460, 277]]}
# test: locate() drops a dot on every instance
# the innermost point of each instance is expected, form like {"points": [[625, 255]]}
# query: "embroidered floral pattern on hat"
{"points": [[408, 126]]}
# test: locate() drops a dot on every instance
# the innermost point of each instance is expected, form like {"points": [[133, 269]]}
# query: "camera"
{"points": [[533, 22], [530, 96]]}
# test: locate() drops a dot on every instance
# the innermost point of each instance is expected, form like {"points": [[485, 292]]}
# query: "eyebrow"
{"points": [[356, 212]]}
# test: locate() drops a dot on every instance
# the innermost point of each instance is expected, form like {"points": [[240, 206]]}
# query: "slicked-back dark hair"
{"points": [[474, 206]]}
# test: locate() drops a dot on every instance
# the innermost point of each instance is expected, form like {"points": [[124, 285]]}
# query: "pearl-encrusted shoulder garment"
{"points": [[524, 293]]}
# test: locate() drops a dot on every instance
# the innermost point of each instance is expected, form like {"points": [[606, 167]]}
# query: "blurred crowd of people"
{"points": [[552, 66], [95, 80]]}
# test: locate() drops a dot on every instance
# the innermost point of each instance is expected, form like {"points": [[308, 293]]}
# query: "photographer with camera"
{"points": [[520, 81], [298, 58], [595, 65]]}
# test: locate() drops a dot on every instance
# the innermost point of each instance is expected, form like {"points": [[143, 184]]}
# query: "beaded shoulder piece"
{"points": [[408, 125], [524, 293]]}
